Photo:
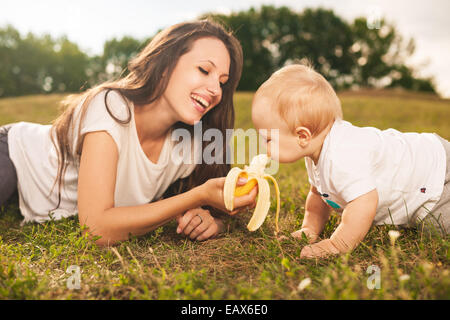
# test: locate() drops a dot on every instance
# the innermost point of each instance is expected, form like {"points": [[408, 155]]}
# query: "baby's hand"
{"points": [[312, 237], [320, 249]]}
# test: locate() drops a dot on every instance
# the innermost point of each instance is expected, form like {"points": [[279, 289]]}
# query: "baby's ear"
{"points": [[304, 136]]}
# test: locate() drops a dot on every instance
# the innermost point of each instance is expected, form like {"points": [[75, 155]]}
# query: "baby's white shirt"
{"points": [[406, 169], [138, 180]]}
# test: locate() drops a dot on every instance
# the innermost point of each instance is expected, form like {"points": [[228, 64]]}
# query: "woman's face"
{"points": [[195, 86]]}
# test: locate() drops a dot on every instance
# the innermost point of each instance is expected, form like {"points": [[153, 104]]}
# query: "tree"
{"points": [[248, 27], [273, 37], [405, 79], [321, 37], [117, 54], [34, 64], [9, 42], [70, 73], [347, 54], [380, 57]]}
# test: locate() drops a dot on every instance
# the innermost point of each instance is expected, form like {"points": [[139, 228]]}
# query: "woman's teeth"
{"points": [[200, 100]]}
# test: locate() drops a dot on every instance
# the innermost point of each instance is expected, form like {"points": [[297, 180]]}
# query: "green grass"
{"points": [[239, 264]]}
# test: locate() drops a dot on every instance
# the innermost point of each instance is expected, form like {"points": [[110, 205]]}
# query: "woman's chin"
{"points": [[192, 119], [190, 122]]}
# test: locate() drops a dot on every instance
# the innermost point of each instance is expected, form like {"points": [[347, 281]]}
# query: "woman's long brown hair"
{"points": [[144, 84]]}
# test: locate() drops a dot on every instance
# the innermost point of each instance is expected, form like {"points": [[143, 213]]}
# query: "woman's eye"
{"points": [[203, 71]]}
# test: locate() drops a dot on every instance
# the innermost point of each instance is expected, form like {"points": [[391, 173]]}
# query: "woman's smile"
{"points": [[201, 103]]}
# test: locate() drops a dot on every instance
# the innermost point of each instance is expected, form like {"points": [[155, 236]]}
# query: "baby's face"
{"points": [[282, 145]]}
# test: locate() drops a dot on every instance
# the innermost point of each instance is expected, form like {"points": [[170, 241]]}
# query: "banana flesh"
{"points": [[255, 175], [242, 190]]}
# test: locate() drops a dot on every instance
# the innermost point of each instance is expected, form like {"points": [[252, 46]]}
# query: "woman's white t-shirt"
{"points": [[406, 169], [138, 180]]}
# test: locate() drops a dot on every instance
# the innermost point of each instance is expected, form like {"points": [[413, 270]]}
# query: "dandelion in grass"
{"points": [[393, 235], [303, 284], [404, 277]]}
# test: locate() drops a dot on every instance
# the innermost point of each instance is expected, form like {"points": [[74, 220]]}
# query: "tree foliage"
{"points": [[348, 54], [34, 64]]}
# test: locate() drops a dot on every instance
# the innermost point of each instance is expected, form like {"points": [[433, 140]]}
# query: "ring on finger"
{"points": [[201, 220]]}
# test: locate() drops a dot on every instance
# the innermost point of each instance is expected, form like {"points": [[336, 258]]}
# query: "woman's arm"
{"points": [[96, 185]]}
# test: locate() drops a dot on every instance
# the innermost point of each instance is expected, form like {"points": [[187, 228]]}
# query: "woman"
{"points": [[107, 157]]}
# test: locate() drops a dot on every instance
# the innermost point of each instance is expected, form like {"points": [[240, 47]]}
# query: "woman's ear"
{"points": [[304, 136]]}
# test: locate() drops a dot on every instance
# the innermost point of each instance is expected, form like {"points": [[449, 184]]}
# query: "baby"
{"points": [[371, 176]]}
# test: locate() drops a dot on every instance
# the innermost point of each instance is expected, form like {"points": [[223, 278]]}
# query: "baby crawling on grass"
{"points": [[371, 176]]}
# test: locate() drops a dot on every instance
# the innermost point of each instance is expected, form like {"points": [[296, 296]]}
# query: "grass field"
{"points": [[239, 264]]}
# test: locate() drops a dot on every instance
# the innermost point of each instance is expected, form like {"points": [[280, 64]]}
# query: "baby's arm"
{"points": [[356, 221], [316, 216]]}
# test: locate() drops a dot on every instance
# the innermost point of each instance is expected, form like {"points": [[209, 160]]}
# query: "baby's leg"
{"points": [[8, 177], [438, 219]]}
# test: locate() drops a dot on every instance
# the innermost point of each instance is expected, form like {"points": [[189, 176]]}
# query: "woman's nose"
{"points": [[214, 88]]}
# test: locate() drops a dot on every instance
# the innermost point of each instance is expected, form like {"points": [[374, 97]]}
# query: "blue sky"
{"points": [[91, 23]]}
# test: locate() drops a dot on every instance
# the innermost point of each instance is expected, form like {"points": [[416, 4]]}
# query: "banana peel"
{"points": [[255, 176]]}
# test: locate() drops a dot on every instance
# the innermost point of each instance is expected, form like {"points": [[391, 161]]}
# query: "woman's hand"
{"points": [[213, 195], [198, 224]]}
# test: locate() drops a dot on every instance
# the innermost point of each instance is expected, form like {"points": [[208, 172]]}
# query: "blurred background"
{"points": [[51, 46]]}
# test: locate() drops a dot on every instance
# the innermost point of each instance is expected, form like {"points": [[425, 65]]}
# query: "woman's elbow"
{"points": [[97, 232], [104, 242]]}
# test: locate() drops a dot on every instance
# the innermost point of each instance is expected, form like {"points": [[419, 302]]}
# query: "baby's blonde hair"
{"points": [[302, 97]]}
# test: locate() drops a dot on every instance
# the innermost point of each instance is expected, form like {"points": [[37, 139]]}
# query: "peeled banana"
{"points": [[255, 175]]}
